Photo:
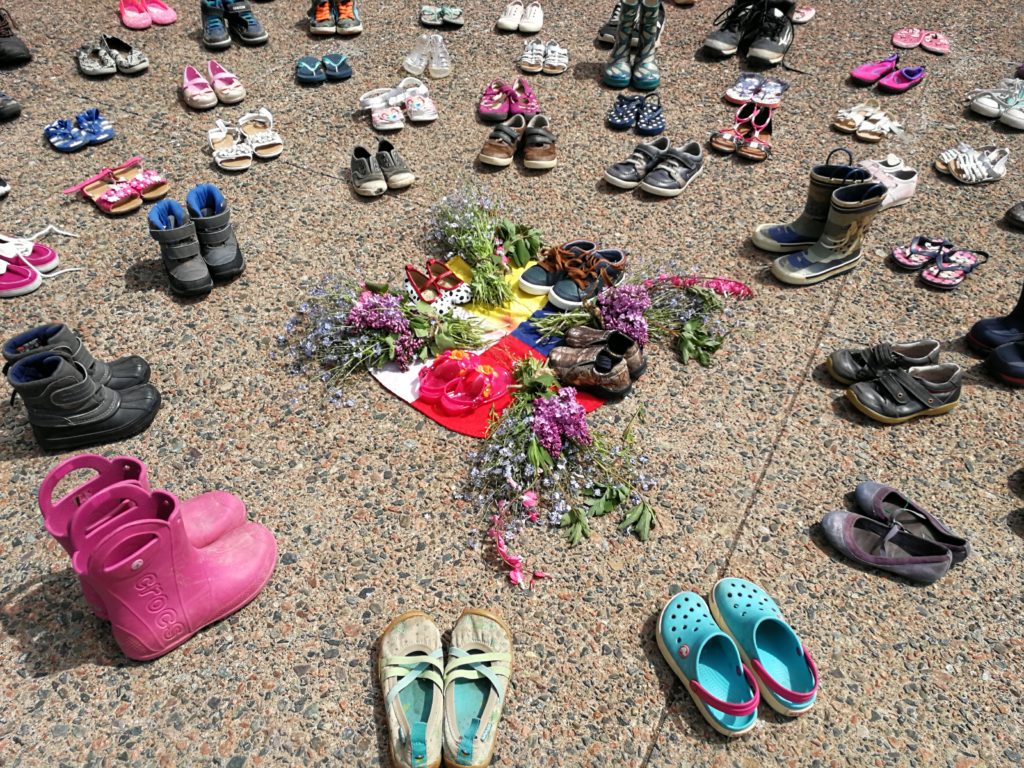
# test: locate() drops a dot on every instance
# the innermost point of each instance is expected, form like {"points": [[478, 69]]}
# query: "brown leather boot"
{"points": [[618, 344], [593, 368]]}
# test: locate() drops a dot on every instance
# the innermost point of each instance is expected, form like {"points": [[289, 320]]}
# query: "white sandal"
{"points": [[230, 150], [258, 128], [440, 62], [877, 127], [980, 167], [849, 120]]}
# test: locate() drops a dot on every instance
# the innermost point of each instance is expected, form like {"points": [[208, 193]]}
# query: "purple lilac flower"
{"points": [[560, 417], [382, 312], [622, 309]]}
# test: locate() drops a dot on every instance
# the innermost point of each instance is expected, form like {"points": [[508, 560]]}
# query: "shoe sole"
{"points": [[402, 181], [497, 162], [318, 31], [10, 293], [620, 183], [717, 49], [254, 40], [350, 31], [61, 444], [561, 303], [533, 290], [540, 165], [1013, 122], [701, 707], [218, 44], [767, 694], [1011, 380], [767, 244], [372, 191], [836, 376], [765, 57], [788, 279], [657, 191], [852, 397]]}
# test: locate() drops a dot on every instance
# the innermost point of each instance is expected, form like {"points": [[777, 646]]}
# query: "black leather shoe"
{"points": [[1015, 216], [991, 332], [12, 50], [849, 365], [1007, 363], [898, 396]]}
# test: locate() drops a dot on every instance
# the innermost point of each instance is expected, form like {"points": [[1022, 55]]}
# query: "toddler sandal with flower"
{"points": [[110, 196], [226, 85], [446, 367], [230, 151], [494, 101], [258, 131], [935, 42], [420, 109], [849, 120], [474, 389], [781, 664], [952, 268], [148, 183], [708, 662], [921, 252]]}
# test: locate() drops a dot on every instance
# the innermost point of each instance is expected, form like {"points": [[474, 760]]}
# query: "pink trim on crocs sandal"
{"points": [[736, 709], [795, 696]]}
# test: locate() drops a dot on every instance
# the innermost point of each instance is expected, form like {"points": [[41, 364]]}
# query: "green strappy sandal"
{"points": [[410, 663], [475, 681]]}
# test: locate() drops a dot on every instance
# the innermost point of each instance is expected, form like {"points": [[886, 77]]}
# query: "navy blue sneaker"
{"points": [[991, 332], [600, 270], [243, 24], [215, 31], [551, 266]]}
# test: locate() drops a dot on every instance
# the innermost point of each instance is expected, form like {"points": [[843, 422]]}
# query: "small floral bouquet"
{"points": [[542, 464], [685, 312], [469, 225], [345, 327]]}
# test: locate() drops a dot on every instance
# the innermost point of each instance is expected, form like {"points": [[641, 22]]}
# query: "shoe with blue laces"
{"points": [[215, 31], [243, 24]]}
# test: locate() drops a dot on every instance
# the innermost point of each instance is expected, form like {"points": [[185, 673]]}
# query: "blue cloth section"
{"points": [[167, 214], [205, 200], [34, 368], [42, 332], [530, 336]]}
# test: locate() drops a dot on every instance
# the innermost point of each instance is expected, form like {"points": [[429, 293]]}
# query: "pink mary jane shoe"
{"points": [[134, 14], [160, 12]]}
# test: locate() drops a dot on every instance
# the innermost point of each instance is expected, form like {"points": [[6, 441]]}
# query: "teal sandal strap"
{"points": [[410, 669], [463, 665]]}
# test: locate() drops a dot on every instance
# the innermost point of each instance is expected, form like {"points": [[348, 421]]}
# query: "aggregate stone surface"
{"points": [[750, 453]]}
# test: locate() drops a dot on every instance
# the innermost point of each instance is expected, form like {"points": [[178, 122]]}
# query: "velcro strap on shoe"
{"points": [[538, 137], [880, 357], [648, 151], [179, 244], [504, 134], [76, 393], [901, 386], [213, 230]]}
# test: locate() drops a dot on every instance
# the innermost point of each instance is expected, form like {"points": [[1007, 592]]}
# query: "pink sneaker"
{"points": [[495, 101], [160, 12], [206, 517], [17, 277], [910, 37], [873, 71], [134, 14], [935, 42], [158, 588], [41, 257], [524, 100], [902, 79]]}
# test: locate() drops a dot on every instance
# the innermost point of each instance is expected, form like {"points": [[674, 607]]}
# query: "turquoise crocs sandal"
{"points": [[708, 662], [475, 681], [782, 665], [410, 664]]}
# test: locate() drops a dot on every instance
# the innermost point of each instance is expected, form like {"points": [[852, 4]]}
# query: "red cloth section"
{"points": [[505, 353]]}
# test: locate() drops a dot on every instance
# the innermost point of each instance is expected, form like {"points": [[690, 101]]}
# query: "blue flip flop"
{"points": [[650, 121], [782, 665], [336, 66], [623, 113], [97, 129], [65, 136], [708, 662], [309, 70]]}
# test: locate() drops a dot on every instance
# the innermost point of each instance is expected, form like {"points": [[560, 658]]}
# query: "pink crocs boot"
{"points": [[207, 516], [157, 587]]}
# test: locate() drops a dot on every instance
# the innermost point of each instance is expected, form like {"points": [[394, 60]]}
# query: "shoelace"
{"points": [[735, 17], [774, 24], [214, 24], [346, 10], [7, 25], [323, 11]]}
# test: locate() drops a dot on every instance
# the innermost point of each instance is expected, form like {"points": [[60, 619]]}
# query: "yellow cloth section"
{"points": [[508, 318]]}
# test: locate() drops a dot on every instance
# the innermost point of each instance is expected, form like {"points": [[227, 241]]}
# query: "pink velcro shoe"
{"points": [[902, 79], [160, 12], [910, 37], [523, 99], [873, 71], [134, 14], [935, 42], [495, 101]]}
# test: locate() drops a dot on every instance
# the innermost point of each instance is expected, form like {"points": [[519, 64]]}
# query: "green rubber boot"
{"points": [[646, 76], [617, 71]]}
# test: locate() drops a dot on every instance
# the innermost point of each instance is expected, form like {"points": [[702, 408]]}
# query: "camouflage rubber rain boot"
{"points": [[618, 71], [838, 249], [804, 231], [646, 76]]}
